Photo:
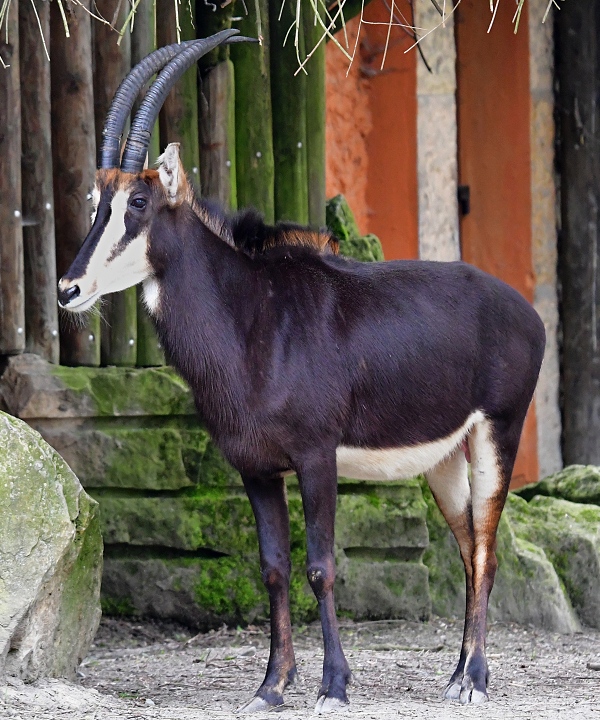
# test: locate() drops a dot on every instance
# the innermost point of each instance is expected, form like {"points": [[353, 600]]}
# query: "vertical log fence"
{"points": [[251, 133]]}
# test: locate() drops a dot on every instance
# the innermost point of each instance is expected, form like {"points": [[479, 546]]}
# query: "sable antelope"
{"points": [[302, 361]]}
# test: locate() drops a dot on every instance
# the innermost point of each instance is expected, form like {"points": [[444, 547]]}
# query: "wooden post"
{"points": [[253, 118], [112, 63], [143, 42], [216, 109], [315, 118], [41, 309], [12, 293], [179, 115], [578, 72], [74, 161], [288, 93]]}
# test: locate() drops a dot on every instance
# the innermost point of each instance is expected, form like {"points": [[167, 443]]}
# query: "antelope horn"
{"points": [[126, 94], [137, 143]]}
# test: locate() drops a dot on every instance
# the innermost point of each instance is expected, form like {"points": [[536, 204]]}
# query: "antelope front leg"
{"points": [[318, 485], [269, 504]]}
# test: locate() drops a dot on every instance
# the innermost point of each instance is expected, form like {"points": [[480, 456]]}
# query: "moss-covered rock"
{"points": [[202, 543], [569, 534], [340, 220], [375, 588], [50, 558], [577, 483], [527, 587], [169, 457], [32, 388], [390, 516]]}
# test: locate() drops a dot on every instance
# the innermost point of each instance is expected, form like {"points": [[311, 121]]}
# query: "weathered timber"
{"points": [[112, 63], [578, 70], [288, 93], [216, 109], [217, 134], [143, 42], [315, 117], [211, 18], [178, 119], [41, 308], [12, 286], [253, 120], [73, 157]]}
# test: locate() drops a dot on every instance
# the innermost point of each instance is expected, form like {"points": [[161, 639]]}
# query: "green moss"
{"points": [[128, 391], [341, 222], [117, 607], [224, 588], [576, 483]]}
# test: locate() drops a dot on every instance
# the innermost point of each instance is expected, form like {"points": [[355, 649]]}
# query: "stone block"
{"points": [[142, 458], [32, 388], [369, 588], [219, 521], [527, 588], [569, 534], [197, 549], [577, 483], [389, 517], [50, 559]]}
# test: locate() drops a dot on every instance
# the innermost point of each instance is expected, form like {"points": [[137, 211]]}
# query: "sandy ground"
{"points": [[160, 672]]}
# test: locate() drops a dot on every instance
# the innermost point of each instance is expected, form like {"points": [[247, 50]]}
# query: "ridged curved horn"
{"points": [[137, 143], [126, 94]]}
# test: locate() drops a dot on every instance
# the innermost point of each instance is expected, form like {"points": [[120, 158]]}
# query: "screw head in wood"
{"points": [[259, 154], [91, 337], [17, 213]]}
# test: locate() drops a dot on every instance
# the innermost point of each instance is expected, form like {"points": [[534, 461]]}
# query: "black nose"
{"points": [[65, 296]]}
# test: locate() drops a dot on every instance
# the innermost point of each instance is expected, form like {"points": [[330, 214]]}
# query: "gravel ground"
{"points": [[151, 671]]}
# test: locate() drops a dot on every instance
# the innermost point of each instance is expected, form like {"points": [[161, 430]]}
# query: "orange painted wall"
{"points": [[494, 160], [372, 132]]}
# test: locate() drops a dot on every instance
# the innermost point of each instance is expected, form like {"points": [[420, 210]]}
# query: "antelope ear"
{"points": [[172, 175]]}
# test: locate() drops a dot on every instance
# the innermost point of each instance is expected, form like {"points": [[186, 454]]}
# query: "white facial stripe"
{"points": [[401, 462], [110, 271]]}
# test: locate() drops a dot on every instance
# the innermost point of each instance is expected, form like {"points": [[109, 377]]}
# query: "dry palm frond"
{"points": [[331, 16]]}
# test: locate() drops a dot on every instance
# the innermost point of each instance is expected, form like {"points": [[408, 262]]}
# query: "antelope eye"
{"points": [[138, 203]]}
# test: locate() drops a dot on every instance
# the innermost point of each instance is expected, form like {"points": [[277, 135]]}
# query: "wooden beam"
{"points": [[112, 63], [217, 134], [578, 72], [253, 119], [179, 115], [288, 94], [74, 162], [143, 42], [12, 286], [41, 309], [315, 118]]}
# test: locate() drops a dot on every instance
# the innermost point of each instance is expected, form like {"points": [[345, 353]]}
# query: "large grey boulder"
{"points": [[577, 483], [528, 589], [50, 559], [569, 534]]}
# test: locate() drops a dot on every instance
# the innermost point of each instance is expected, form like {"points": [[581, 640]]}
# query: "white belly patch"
{"points": [[402, 462]]}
